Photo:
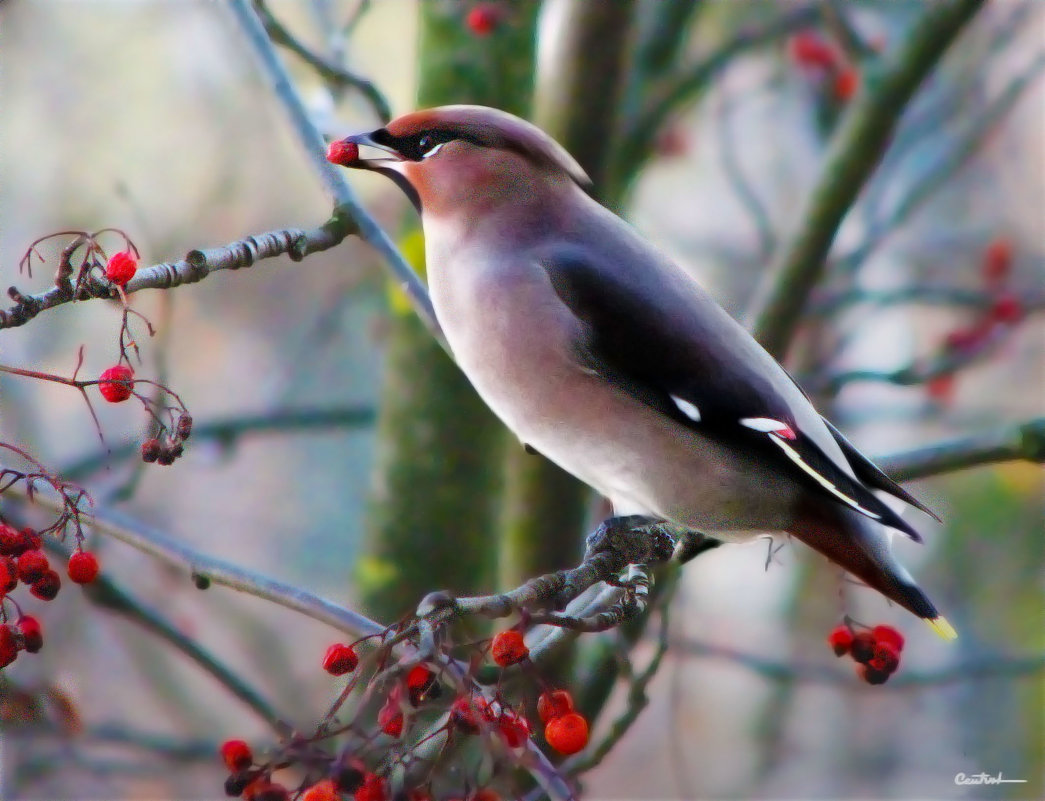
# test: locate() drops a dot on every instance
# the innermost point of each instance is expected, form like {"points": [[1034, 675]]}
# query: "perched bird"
{"points": [[603, 355]]}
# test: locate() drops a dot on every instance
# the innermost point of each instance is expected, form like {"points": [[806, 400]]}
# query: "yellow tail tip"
{"points": [[942, 627]]}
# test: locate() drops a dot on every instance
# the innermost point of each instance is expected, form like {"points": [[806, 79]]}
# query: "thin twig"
{"points": [[332, 177], [1015, 442], [327, 69]]}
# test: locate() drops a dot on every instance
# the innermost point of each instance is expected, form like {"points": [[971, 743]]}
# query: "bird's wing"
{"points": [[653, 333]]}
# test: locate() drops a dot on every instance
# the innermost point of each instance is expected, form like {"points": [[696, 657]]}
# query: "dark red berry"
{"points": [[372, 789], [150, 450], [1007, 309], [32, 633], [184, 428], [83, 567], [236, 755], [237, 783], [8, 646], [886, 657], [808, 49], [468, 712], [888, 634], [46, 587], [340, 659], [348, 774], [840, 639], [32, 565], [862, 648], [514, 728], [11, 541], [8, 575], [116, 383], [871, 675]]}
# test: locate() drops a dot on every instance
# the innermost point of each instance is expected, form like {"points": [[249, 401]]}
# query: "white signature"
{"points": [[985, 778]]}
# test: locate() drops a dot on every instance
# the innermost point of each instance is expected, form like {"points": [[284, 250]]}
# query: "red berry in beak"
{"points": [[343, 153]]}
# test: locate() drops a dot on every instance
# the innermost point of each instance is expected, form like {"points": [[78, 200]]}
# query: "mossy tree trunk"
{"points": [[436, 496]]}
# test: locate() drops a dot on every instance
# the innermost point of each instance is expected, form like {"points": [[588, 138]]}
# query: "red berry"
{"points": [[236, 755], [83, 567], [509, 648], [554, 704], [567, 734], [31, 540], [46, 587], [8, 646], [862, 648], [871, 675], [840, 639], [32, 565], [483, 19], [373, 789], [997, 261], [11, 541], [115, 383], [1007, 309], [846, 82], [32, 633], [962, 340], [514, 728], [121, 267], [418, 677], [467, 712], [270, 791], [340, 659], [807, 49], [8, 575], [390, 717], [940, 388], [886, 657], [325, 790], [343, 153], [888, 634]]}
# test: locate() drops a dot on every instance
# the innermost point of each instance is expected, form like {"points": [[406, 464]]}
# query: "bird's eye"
{"points": [[424, 144]]}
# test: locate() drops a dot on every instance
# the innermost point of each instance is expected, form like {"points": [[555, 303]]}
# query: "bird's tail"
{"points": [[862, 547]]}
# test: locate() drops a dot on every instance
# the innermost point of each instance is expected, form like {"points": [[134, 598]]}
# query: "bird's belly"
{"points": [[518, 354]]}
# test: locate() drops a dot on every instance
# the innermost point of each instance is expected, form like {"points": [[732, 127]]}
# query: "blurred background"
{"points": [[346, 455]]}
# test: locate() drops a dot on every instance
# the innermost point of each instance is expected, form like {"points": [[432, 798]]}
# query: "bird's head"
{"points": [[460, 159]]}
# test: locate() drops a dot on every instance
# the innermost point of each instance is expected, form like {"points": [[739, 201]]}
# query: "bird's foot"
{"points": [[635, 539]]}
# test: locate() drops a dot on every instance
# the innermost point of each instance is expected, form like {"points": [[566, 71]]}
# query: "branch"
{"points": [[1019, 442], [333, 178], [196, 266], [206, 569], [328, 70], [851, 158], [983, 667], [228, 431], [106, 594]]}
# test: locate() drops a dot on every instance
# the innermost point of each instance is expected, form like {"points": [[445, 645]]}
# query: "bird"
{"points": [[605, 356]]}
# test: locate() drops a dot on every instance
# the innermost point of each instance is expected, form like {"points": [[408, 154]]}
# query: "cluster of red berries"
{"points": [[809, 50], [121, 267], [164, 451], [565, 729], [876, 651], [483, 18], [1005, 309], [22, 560]]}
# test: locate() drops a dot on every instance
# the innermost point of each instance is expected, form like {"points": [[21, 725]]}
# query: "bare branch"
{"points": [[328, 70], [196, 266], [822, 673], [853, 154], [332, 177], [1014, 442]]}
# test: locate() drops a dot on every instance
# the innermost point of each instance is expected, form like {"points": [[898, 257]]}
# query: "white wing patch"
{"points": [[795, 457], [769, 425], [687, 408]]}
